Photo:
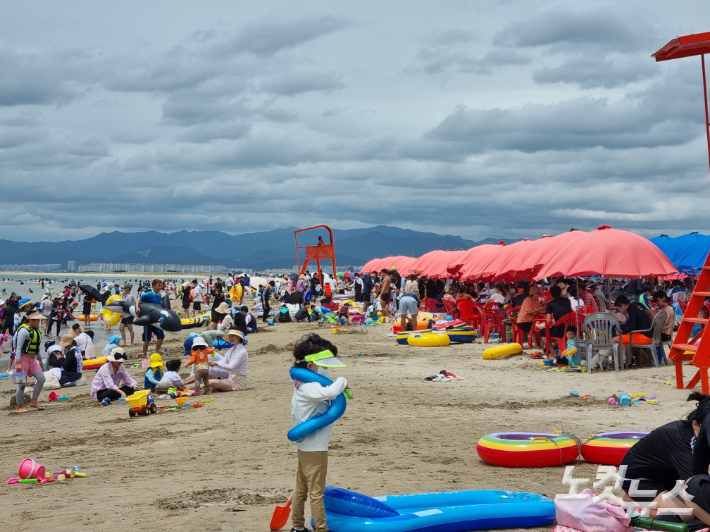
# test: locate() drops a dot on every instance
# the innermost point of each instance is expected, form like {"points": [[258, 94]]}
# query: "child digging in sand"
{"points": [[310, 399], [198, 357], [171, 378]]}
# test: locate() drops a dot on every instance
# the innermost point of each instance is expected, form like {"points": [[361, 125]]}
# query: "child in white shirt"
{"points": [[171, 378], [310, 399]]}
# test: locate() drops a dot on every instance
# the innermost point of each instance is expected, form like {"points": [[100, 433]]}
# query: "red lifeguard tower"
{"points": [[321, 251], [686, 345]]}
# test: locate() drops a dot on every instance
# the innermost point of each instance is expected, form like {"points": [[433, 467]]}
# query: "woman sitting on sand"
{"points": [[236, 363], [106, 386], [676, 451]]}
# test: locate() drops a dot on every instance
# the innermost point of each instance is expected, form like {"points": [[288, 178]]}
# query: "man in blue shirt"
{"points": [[152, 296]]}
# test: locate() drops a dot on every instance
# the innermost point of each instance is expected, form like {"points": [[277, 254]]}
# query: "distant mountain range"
{"points": [[259, 251]]}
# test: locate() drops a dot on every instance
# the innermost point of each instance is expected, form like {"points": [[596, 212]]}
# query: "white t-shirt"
{"points": [[198, 294], [171, 379], [310, 400], [497, 298]]}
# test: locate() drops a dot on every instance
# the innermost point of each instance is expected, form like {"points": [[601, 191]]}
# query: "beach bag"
{"points": [[51, 382], [589, 517], [284, 315]]}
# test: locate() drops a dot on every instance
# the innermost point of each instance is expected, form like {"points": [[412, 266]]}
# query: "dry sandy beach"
{"points": [[225, 466]]}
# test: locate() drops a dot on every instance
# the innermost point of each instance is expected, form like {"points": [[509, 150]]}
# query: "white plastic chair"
{"points": [[599, 329], [659, 321]]}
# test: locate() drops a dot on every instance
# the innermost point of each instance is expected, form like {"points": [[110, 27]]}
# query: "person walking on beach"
{"points": [[265, 297], [9, 311], [152, 296], [28, 342], [45, 308], [197, 298], [127, 319]]}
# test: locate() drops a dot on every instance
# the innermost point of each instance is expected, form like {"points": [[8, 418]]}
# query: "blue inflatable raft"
{"points": [[456, 511]]}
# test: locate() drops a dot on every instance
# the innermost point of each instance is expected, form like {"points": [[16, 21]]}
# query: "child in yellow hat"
{"points": [[154, 373]]}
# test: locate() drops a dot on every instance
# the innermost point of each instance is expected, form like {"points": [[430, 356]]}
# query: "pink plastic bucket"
{"points": [[30, 469]]}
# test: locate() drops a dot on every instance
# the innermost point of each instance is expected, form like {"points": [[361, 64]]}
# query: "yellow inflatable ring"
{"points": [[235, 293], [502, 351], [429, 339], [112, 318]]}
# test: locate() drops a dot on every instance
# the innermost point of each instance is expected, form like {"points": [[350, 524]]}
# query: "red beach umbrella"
{"points": [[609, 252]]}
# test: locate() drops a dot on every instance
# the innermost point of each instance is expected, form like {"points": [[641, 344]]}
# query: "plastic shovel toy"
{"points": [[281, 515]]}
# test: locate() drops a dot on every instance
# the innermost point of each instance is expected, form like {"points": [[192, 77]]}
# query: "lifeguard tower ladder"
{"points": [[687, 346], [321, 251]]}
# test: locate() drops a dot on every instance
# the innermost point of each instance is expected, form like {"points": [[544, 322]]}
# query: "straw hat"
{"points": [[222, 308], [36, 316], [117, 355], [67, 340], [236, 332]]}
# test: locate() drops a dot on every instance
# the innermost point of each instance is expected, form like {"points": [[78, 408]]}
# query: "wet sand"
{"points": [[225, 466]]}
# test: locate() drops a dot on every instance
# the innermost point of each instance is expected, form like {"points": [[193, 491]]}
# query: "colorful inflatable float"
{"points": [[527, 449], [235, 293], [112, 318], [197, 321], [92, 317], [334, 412], [609, 448], [457, 511], [94, 363], [429, 339], [464, 335], [501, 351], [25, 305]]}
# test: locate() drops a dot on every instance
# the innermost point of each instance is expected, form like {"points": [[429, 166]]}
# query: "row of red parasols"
{"points": [[605, 251]]}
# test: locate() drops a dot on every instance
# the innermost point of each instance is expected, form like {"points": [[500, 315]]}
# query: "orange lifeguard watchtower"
{"points": [[686, 345], [321, 251]]}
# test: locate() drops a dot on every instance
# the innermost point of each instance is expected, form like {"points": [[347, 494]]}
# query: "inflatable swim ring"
{"points": [[94, 363], [456, 511], [112, 318], [25, 305], [609, 448], [459, 336], [502, 351], [337, 406], [527, 449], [441, 325], [235, 293], [91, 318], [428, 339], [422, 325]]}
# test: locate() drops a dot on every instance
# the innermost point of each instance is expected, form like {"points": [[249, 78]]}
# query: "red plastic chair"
{"points": [[469, 313], [517, 331], [566, 320], [451, 308], [432, 305], [490, 321]]}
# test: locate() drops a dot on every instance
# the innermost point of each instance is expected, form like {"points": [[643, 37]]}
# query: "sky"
{"points": [[505, 119]]}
